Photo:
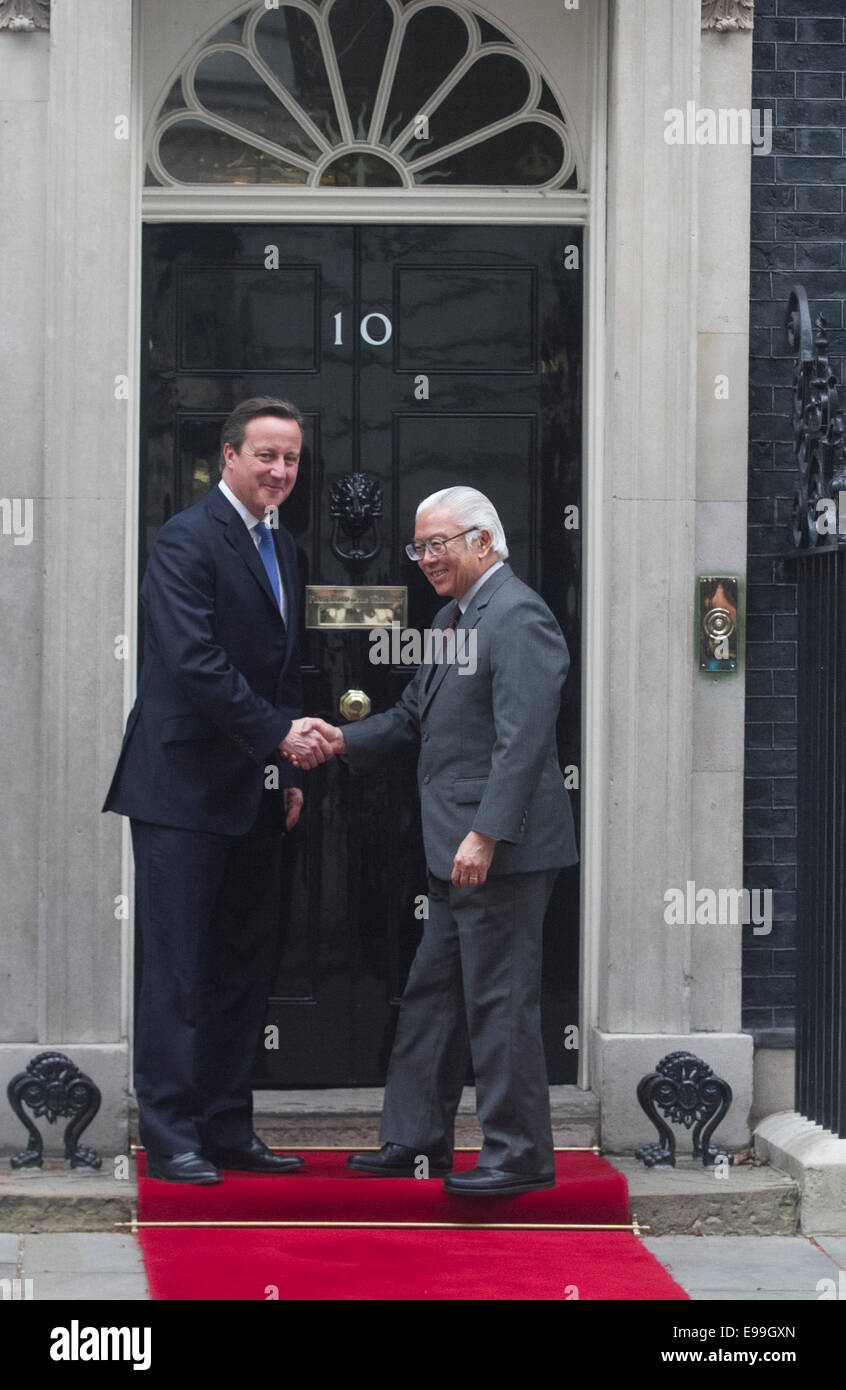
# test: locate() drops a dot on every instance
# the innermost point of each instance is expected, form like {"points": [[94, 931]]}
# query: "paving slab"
{"points": [[763, 1296], [744, 1267], [85, 1287], [8, 1249], [96, 1252], [834, 1246], [85, 1266]]}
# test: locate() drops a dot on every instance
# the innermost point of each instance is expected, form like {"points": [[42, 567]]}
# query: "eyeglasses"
{"points": [[415, 550]]}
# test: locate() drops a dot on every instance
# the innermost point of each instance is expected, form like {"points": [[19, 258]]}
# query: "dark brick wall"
{"points": [[798, 234]]}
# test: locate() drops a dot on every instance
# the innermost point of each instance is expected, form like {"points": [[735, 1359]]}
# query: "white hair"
{"points": [[472, 511]]}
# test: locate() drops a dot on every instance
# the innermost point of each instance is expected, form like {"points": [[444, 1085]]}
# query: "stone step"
{"points": [[691, 1200], [57, 1198], [688, 1199], [349, 1119]]}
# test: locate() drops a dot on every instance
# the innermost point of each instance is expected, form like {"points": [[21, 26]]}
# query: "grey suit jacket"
{"points": [[487, 757]]}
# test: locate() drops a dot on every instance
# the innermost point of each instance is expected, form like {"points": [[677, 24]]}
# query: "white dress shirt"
{"points": [[465, 600]]}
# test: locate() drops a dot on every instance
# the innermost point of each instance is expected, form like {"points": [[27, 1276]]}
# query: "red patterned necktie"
{"points": [[436, 665], [451, 626]]}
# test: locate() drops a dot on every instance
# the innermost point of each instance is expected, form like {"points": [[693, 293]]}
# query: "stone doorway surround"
{"points": [[674, 506], [665, 500]]}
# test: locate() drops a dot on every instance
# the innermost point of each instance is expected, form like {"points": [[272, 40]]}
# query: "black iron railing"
{"points": [[820, 562]]}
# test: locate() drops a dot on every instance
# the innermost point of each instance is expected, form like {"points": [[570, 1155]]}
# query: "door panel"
{"points": [[470, 319], [424, 356], [245, 320]]}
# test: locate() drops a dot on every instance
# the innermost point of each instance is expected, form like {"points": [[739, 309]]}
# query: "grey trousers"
{"points": [[473, 991]]}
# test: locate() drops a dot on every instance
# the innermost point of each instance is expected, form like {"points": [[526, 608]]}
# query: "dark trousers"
{"points": [[474, 991], [207, 910]]}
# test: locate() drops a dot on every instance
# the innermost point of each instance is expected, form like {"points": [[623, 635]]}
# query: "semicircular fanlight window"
{"points": [[361, 93]]}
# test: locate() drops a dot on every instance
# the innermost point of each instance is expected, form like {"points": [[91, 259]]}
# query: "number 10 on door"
{"points": [[375, 329]]}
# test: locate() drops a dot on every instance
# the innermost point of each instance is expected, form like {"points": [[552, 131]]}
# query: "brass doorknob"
{"points": [[354, 704]]}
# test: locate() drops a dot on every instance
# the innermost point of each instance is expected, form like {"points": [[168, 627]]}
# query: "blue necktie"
{"points": [[268, 556]]}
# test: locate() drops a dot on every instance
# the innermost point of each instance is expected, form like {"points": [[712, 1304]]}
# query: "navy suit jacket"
{"points": [[220, 681]]}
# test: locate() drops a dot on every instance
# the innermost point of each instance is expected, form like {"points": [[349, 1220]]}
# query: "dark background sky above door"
{"points": [[491, 318]]}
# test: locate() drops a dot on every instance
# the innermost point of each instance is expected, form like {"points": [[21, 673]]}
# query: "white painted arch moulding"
{"points": [[378, 205]]}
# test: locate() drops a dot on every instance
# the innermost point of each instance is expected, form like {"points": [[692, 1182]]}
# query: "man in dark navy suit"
{"points": [[218, 701]]}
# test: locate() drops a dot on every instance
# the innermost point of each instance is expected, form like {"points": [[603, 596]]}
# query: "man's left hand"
{"points": [[472, 860], [293, 806]]}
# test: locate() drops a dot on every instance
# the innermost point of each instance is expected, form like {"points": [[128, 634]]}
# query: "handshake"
{"points": [[312, 741]]}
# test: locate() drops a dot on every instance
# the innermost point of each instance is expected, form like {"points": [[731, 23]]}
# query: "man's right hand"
{"points": [[310, 742]]}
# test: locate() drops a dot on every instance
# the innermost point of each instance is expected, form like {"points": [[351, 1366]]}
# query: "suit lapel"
{"points": [[435, 676], [241, 541], [473, 616]]}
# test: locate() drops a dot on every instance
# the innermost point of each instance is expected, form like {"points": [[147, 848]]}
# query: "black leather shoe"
{"points": [[185, 1167], [397, 1161], [255, 1157], [495, 1182]]}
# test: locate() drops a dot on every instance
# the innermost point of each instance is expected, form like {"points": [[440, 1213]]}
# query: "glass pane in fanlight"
{"points": [[175, 100], [288, 42], [527, 155], [489, 33], [231, 32], [360, 171], [547, 102], [194, 152], [495, 87], [434, 41], [229, 86], [361, 30]]}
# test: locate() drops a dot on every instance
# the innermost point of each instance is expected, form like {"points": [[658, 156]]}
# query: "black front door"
{"points": [[423, 357]]}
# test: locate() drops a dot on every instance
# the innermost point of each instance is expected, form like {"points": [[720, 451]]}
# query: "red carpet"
{"points": [[588, 1189], [398, 1264]]}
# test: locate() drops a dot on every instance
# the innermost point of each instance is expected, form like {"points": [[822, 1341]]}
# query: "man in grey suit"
{"points": [[497, 827]]}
